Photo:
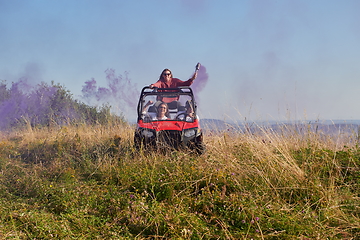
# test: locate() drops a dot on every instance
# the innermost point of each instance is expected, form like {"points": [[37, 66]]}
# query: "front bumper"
{"points": [[171, 138]]}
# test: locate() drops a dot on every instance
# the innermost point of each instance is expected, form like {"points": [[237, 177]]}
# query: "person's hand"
{"points": [[151, 86], [149, 103]]}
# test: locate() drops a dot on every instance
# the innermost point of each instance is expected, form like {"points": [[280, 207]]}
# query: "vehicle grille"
{"points": [[169, 138]]}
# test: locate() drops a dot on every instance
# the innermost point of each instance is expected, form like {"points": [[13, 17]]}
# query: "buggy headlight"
{"points": [[189, 133], [147, 133], [198, 132]]}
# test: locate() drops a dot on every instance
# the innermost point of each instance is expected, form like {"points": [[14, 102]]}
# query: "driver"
{"points": [[187, 115]]}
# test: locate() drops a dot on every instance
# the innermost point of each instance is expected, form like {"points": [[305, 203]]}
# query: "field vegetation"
{"points": [[70, 171], [86, 181]]}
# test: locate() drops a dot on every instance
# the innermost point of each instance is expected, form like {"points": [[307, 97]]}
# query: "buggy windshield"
{"points": [[179, 102]]}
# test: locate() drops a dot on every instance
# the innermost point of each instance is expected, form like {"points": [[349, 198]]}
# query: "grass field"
{"points": [[87, 182]]}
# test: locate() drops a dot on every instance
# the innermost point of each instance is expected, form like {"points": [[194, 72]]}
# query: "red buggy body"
{"points": [[181, 130]]}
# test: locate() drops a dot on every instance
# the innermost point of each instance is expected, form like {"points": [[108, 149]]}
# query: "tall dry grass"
{"points": [[263, 184]]}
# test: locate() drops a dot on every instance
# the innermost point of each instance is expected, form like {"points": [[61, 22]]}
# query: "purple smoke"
{"points": [[39, 104], [43, 104], [120, 93], [201, 80]]}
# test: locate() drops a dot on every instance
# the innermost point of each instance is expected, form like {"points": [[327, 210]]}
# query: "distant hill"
{"points": [[214, 124], [324, 127]]}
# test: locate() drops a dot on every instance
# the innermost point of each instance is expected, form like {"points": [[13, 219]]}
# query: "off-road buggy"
{"points": [[182, 128]]}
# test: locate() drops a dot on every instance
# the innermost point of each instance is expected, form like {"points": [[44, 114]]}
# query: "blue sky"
{"points": [[265, 59]]}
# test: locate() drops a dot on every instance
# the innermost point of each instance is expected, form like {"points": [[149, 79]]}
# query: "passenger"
{"points": [[162, 112], [166, 80]]}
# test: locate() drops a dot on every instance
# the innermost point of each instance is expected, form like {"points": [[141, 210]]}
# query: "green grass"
{"points": [[87, 182]]}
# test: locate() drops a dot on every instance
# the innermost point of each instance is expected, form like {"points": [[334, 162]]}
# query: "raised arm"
{"points": [[146, 106]]}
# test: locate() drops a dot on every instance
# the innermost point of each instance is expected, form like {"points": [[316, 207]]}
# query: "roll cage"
{"points": [[178, 100]]}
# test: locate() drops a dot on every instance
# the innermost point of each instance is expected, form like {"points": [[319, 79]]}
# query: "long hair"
{"points": [[166, 69]]}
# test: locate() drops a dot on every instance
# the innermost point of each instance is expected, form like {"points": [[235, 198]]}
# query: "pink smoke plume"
{"points": [[119, 93], [201, 80]]}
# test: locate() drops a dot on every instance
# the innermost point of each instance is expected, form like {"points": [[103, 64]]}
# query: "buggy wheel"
{"points": [[137, 142], [197, 145], [200, 148], [143, 143]]}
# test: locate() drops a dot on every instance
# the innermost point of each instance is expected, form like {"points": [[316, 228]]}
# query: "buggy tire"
{"points": [[200, 148]]}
